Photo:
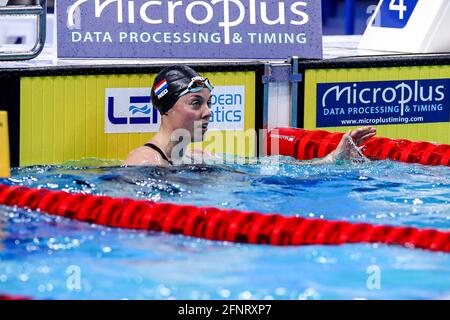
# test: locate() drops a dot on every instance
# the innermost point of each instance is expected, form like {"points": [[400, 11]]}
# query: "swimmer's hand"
{"points": [[346, 147]]}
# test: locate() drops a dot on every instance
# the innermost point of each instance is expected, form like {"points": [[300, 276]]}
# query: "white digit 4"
{"points": [[400, 7]]}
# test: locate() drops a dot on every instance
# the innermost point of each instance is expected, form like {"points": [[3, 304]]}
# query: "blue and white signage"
{"points": [[394, 13], [383, 102], [211, 29], [417, 26], [228, 108], [129, 110]]}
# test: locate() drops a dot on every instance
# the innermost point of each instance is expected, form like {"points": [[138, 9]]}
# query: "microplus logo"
{"points": [[383, 102], [246, 29], [399, 95], [199, 12]]}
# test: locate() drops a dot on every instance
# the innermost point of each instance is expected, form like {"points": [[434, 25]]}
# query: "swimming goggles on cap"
{"points": [[196, 85]]}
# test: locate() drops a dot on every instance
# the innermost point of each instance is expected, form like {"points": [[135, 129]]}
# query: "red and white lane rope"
{"points": [[309, 144], [218, 224]]}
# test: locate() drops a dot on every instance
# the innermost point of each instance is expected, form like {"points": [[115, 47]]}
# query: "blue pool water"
{"points": [[55, 258]]}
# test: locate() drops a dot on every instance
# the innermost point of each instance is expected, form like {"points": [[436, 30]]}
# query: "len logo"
{"points": [[146, 109]]}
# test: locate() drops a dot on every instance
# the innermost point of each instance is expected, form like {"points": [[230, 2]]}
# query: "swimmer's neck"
{"points": [[163, 140]]}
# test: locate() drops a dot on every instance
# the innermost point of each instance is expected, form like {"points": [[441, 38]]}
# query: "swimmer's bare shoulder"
{"points": [[144, 156]]}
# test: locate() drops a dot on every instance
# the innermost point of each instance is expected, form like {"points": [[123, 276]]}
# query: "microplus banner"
{"points": [[191, 29], [383, 102]]}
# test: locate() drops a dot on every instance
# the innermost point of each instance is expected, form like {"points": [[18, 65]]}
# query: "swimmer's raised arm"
{"points": [[345, 147]]}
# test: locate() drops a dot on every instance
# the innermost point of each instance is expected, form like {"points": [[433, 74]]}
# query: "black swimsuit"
{"points": [[157, 149]]}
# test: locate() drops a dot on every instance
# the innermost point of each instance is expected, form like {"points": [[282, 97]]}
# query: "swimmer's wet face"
{"points": [[183, 98], [191, 112]]}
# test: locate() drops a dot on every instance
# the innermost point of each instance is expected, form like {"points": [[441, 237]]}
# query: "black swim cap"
{"points": [[168, 84]]}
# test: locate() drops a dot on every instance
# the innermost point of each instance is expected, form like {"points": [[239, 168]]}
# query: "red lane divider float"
{"points": [[8, 297], [308, 144], [217, 224]]}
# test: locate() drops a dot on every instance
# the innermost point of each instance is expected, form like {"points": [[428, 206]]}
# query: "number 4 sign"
{"points": [[394, 13], [401, 8], [417, 26]]}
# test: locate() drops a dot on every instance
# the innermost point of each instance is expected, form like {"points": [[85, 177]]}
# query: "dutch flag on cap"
{"points": [[160, 87]]}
